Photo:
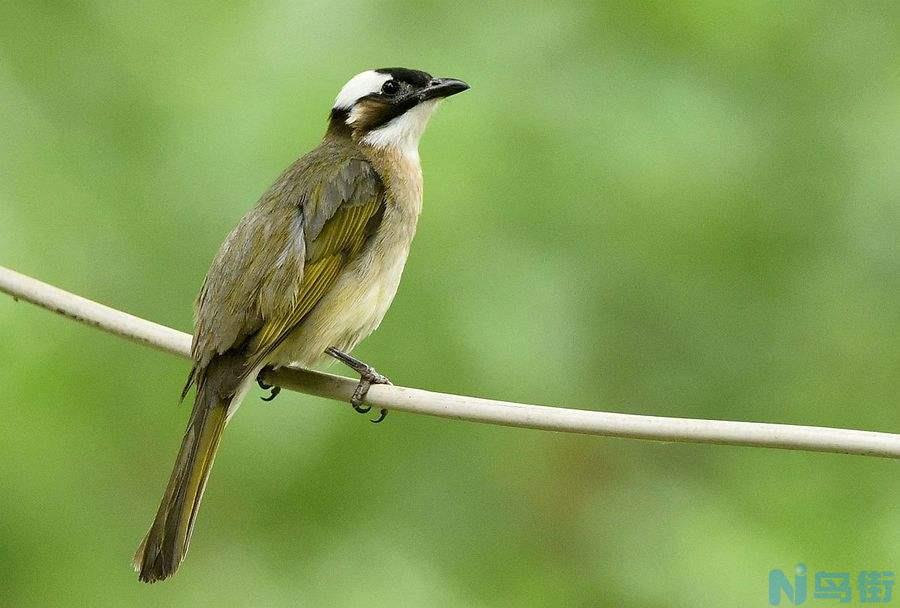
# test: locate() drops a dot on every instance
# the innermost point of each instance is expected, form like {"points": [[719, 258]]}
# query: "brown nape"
{"points": [[337, 124], [368, 114]]}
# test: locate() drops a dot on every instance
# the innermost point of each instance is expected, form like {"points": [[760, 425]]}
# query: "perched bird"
{"points": [[307, 273]]}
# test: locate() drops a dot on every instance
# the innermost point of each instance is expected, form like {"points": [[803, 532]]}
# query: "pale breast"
{"points": [[359, 298]]}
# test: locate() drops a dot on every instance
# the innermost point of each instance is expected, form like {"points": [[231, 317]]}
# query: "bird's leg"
{"points": [[266, 386], [367, 377]]}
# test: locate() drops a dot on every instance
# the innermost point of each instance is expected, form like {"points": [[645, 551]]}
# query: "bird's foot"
{"points": [[367, 377], [266, 386]]}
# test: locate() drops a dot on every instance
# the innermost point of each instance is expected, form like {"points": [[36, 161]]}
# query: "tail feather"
{"points": [[166, 543]]}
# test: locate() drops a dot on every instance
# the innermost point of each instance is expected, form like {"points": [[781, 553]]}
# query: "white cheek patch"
{"points": [[358, 87], [354, 115], [404, 132]]}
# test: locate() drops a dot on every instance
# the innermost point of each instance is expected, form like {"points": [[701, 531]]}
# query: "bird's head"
{"points": [[390, 107]]}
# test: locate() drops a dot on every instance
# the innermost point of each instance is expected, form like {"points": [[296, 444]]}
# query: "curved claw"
{"points": [[273, 394], [362, 409], [266, 386], [367, 377]]}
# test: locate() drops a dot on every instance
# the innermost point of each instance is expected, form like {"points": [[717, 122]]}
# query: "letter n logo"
{"points": [[779, 583]]}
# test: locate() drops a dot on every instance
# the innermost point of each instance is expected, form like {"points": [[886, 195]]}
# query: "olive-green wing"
{"points": [[284, 255], [341, 238]]}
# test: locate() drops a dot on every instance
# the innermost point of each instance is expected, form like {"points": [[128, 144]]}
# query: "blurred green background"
{"points": [[688, 209]]}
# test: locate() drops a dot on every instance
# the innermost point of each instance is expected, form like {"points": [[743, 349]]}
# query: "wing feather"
{"points": [[317, 217], [341, 239]]}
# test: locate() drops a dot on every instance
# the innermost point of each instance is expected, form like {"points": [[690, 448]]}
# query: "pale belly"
{"points": [[359, 298], [357, 302]]}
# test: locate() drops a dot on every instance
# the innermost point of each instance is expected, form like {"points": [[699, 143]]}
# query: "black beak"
{"points": [[442, 87]]}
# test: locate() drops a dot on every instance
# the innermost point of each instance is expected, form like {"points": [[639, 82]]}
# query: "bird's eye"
{"points": [[391, 87]]}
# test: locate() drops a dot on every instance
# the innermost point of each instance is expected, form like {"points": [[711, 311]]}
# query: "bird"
{"points": [[306, 274]]}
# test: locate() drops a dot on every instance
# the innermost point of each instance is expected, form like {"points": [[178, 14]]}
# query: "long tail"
{"points": [[166, 543]]}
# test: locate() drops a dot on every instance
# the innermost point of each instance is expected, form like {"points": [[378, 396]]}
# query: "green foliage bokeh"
{"points": [[685, 209]]}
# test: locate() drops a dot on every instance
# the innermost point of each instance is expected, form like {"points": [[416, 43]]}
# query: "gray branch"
{"points": [[588, 422]]}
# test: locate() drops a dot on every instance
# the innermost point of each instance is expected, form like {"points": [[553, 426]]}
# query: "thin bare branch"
{"points": [[657, 428]]}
